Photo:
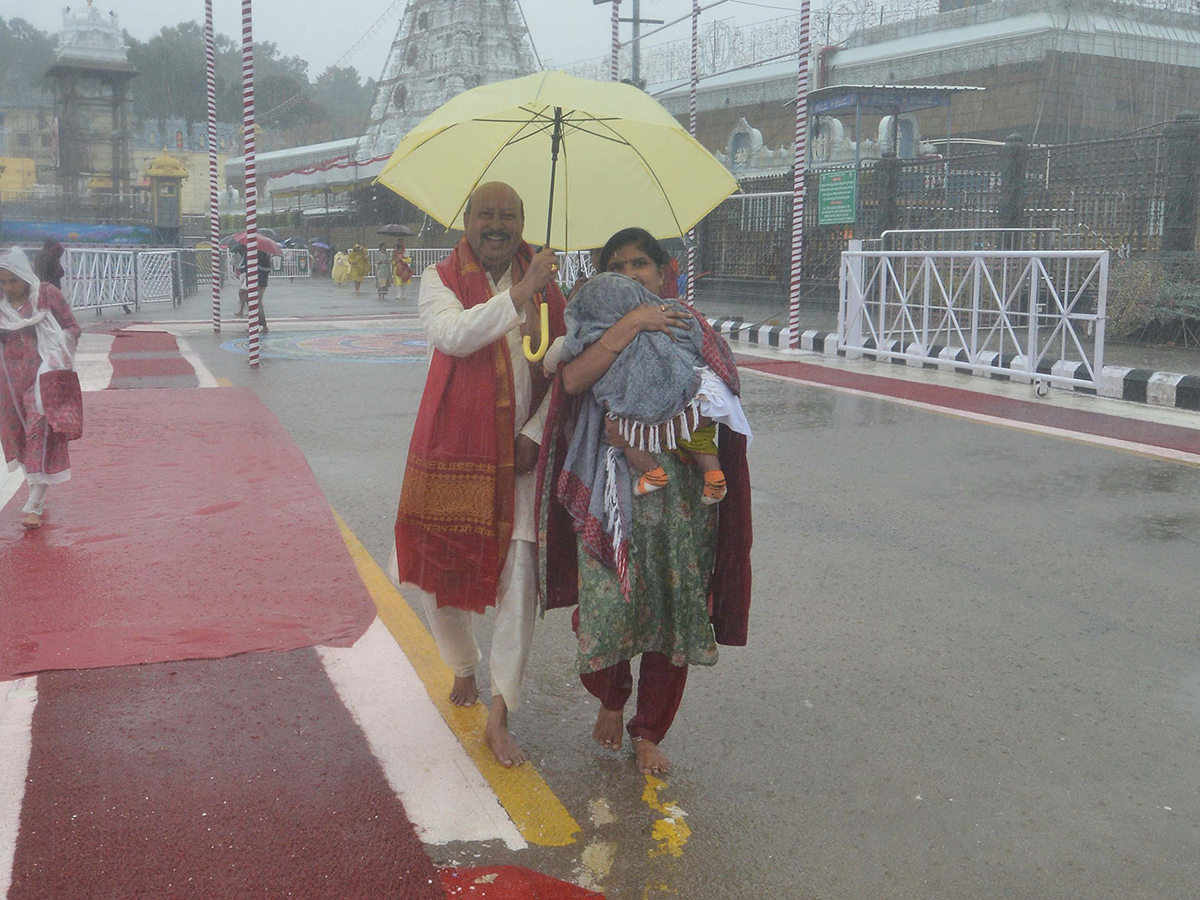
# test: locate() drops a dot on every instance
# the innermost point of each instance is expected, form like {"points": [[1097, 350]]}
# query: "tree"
{"points": [[27, 54], [347, 100]]}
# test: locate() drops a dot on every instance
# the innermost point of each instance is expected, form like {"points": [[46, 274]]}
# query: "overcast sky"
{"points": [[326, 33]]}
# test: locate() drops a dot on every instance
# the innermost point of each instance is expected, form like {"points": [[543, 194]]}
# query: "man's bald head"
{"points": [[494, 187], [494, 224]]}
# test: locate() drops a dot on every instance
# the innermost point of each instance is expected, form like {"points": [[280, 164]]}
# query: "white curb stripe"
{"points": [[17, 701], [443, 792]]}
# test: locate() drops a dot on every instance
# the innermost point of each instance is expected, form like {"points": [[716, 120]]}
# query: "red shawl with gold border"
{"points": [[455, 519]]}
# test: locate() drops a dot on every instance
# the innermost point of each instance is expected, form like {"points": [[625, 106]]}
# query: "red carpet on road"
{"points": [[241, 777], [1030, 411], [192, 528], [509, 883], [148, 359]]}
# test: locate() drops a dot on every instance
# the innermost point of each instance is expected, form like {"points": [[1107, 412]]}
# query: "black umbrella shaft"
{"points": [[555, 142]]}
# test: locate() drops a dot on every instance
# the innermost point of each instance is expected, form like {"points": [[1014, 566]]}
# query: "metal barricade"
{"points": [[96, 279], [423, 257], [1033, 313], [158, 278], [574, 265], [295, 263]]}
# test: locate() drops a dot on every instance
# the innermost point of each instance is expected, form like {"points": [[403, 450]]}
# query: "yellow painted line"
{"points": [[670, 832], [224, 382], [533, 807]]}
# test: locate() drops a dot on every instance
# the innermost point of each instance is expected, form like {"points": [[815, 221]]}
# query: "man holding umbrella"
{"points": [[466, 538]]}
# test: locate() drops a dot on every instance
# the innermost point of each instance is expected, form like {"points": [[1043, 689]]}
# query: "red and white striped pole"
{"points": [[214, 216], [690, 297], [251, 173], [800, 166], [615, 69]]}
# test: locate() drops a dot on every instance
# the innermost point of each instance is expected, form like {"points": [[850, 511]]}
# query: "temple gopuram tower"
{"points": [[92, 105], [442, 48]]}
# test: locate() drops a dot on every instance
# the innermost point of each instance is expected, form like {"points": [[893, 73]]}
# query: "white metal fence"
{"points": [[295, 263], [570, 264], [1024, 313], [158, 276], [98, 278]]}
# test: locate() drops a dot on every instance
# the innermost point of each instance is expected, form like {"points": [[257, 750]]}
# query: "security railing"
{"points": [[96, 279], [158, 274], [100, 278], [1035, 314], [570, 264], [294, 263]]}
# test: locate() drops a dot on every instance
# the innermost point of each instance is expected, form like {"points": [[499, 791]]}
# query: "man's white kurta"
{"points": [[460, 332]]}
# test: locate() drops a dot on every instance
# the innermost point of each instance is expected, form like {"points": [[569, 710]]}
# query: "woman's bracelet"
{"points": [[608, 348]]}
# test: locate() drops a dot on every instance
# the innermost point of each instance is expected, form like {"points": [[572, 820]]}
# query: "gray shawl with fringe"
{"points": [[650, 382]]}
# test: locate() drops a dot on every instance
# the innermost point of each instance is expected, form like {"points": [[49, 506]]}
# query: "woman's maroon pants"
{"points": [[660, 690]]}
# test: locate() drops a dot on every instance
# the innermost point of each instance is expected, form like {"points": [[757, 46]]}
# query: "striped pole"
{"points": [[616, 40], [800, 166], [214, 217], [251, 174], [691, 242]]}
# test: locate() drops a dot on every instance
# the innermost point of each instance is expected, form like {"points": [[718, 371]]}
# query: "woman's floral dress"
{"points": [[670, 565]]}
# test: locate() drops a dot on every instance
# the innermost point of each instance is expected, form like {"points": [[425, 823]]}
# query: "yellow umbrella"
{"points": [[621, 160]]}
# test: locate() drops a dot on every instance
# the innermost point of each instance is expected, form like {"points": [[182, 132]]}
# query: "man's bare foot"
{"points": [[464, 692], [610, 727], [32, 520], [650, 760], [497, 736]]}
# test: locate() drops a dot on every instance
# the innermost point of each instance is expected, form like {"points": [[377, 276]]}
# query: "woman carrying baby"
{"points": [[665, 576]]}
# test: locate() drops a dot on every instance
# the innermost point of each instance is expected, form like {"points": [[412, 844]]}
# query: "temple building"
{"points": [[92, 106], [442, 48]]}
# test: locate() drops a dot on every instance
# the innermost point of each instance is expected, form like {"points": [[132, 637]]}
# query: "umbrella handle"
{"points": [[544, 344]]}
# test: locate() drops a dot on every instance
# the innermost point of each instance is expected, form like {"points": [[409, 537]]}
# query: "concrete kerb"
{"points": [[1168, 389]]}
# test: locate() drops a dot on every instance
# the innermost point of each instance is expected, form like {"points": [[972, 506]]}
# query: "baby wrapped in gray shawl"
{"points": [[652, 381]]}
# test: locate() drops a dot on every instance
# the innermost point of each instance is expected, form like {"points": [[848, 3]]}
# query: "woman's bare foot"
{"points": [[32, 520], [464, 692], [610, 727], [650, 760], [497, 736]]}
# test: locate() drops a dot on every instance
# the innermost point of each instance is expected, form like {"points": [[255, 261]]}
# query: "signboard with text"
{"points": [[837, 197]]}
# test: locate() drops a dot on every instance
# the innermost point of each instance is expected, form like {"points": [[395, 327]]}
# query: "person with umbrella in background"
{"points": [[264, 274], [466, 536]]}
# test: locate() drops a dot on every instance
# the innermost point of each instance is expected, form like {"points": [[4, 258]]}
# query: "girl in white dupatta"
{"points": [[38, 334]]}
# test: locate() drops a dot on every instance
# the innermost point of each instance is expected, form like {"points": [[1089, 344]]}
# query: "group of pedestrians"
{"points": [[388, 267], [518, 489]]}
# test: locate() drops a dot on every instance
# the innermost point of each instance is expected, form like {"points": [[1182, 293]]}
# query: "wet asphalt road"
{"points": [[974, 664]]}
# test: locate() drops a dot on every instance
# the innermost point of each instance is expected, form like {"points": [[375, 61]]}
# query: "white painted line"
{"points": [[92, 363], [17, 700], [9, 486], [204, 376], [443, 792], [1180, 456]]}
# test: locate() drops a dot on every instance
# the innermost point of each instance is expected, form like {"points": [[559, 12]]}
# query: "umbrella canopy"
{"points": [[265, 243], [622, 159], [394, 229]]}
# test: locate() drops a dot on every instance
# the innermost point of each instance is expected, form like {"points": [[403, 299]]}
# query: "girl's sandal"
{"points": [[32, 520]]}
